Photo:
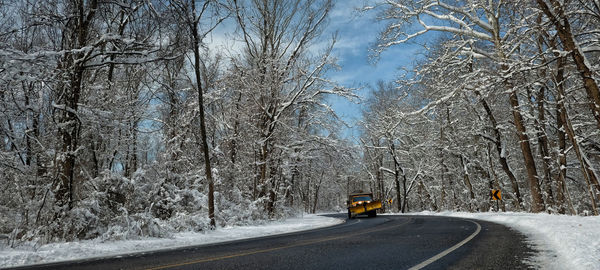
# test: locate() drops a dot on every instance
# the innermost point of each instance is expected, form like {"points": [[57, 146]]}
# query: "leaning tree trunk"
{"points": [[586, 169], [501, 151], [560, 21], [205, 150], [537, 201]]}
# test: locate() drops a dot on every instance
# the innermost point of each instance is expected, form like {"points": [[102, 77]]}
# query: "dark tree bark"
{"points": [[196, 39], [544, 149], [495, 182], [561, 161], [537, 202], [586, 170], [75, 36], [501, 152], [317, 187], [397, 172], [558, 18], [467, 181]]}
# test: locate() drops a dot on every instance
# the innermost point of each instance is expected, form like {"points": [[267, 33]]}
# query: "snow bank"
{"points": [[30, 254], [563, 242]]}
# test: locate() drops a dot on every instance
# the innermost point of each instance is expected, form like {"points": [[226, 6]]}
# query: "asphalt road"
{"points": [[385, 242]]}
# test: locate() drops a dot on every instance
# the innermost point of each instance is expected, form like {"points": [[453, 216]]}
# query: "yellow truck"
{"points": [[362, 203]]}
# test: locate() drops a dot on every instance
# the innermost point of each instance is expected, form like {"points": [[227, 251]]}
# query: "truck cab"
{"points": [[362, 203]]}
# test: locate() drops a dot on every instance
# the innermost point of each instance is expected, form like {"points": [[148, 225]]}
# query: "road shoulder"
{"points": [[27, 254]]}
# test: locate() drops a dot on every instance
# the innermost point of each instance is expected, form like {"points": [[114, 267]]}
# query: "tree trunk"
{"points": [[467, 181], [588, 174], [537, 202], [501, 152], [380, 185], [541, 121], [543, 147], [207, 168], [586, 170], [444, 171], [496, 182], [397, 171], [134, 156], [434, 207], [317, 187], [558, 17], [398, 194], [75, 37], [562, 162], [28, 90], [405, 192]]}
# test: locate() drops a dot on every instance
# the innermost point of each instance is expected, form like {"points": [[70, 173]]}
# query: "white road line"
{"points": [[445, 252]]}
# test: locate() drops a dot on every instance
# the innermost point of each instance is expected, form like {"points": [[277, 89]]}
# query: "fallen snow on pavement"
{"points": [[96, 248], [563, 242]]}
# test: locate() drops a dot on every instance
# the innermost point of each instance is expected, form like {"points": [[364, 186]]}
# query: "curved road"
{"points": [[385, 242]]}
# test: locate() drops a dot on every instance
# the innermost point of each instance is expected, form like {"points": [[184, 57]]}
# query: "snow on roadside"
{"points": [[563, 242], [95, 248]]}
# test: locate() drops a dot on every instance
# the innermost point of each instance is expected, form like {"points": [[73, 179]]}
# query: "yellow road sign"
{"points": [[496, 194]]}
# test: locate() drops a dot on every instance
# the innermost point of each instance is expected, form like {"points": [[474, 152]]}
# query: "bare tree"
{"points": [[278, 76], [471, 23]]}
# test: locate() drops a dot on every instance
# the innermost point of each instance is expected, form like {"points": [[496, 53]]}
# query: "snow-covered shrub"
{"points": [[136, 226], [80, 223], [182, 222], [90, 217], [233, 209], [157, 194], [8, 203]]}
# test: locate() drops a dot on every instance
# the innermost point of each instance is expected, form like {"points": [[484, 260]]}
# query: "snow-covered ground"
{"points": [[564, 242], [96, 248]]}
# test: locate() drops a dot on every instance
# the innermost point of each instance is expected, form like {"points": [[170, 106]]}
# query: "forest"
{"points": [[123, 119]]}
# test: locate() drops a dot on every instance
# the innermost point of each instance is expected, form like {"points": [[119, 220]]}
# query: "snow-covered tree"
{"points": [[483, 50]]}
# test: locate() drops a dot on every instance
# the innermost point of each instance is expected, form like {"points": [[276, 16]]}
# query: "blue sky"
{"points": [[357, 32]]}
